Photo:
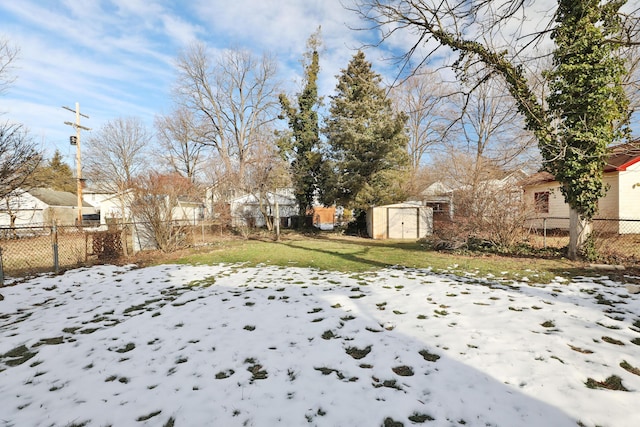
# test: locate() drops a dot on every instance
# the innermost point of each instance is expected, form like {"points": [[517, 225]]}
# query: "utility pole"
{"points": [[75, 140]]}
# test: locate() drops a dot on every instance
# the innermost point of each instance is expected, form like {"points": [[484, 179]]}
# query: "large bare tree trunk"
{"points": [[579, 230]]}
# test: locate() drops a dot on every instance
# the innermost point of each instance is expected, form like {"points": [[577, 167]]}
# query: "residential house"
{"points": [[504, 191], [40, 206], [115, 207], [621, 202], [245, 210], [439, 197]]}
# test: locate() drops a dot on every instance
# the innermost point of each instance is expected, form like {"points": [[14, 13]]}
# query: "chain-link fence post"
{"points": [[1, 269], [56, 263]]}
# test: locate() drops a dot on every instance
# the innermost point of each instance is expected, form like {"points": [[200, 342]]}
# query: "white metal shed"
{"points": [[400, 221]]}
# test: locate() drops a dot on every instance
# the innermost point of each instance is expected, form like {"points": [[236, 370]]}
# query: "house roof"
{"points": [[57, 198], [621, 157]]}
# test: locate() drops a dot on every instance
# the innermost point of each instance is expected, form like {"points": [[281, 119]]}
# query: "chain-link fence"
{"points": [[45, 248], [613, 240]]}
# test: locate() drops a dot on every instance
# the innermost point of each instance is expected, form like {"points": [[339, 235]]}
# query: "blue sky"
{"points": [[116, 57]]}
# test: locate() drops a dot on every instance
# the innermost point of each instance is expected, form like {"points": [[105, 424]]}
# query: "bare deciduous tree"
{"points": [[156, 200], [233, 96], [115, 156], [8, 54], [266, 173], [422, 97], [179, 148], [19, 158]]}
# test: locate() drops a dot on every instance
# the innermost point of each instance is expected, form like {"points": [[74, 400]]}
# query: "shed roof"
{"points": [[57, 198]]}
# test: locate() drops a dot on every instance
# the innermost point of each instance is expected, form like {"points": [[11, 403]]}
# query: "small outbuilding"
{"points": [[410, 221], [39, 206]]}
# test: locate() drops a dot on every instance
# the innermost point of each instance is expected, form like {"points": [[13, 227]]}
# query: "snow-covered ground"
{"points": [[233, 346]]}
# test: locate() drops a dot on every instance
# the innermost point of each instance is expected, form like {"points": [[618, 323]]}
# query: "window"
{"points": [[541, 200]]}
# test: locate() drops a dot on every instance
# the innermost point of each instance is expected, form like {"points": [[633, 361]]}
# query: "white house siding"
{"points": [[245, 210], [28, 210], [609, 205], [622, 201], [629, 187], [557, 217]]}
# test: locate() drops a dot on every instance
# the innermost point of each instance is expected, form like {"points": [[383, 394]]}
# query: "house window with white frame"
{"points": [[541, 200]]}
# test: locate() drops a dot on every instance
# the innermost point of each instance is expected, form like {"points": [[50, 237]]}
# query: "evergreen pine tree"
{"points": [[55, 174], [367, 141], [302, 148]]}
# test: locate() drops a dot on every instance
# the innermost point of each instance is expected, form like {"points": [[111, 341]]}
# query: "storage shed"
{"points": [[400, 221]]}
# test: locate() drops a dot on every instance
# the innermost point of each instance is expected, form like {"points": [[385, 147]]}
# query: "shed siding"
{"points": [[399, 222]]}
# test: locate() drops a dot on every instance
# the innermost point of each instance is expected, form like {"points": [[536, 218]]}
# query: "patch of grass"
{"points": [[403, 371], [224, 374], [580, 350], [429, 357], [357, 255], [328, 371], [418, 418], [128, 347], [358, 353], [149, 416], [614, 327], [257, 372], [614, 382], [628, 367], [17, 356], [548, 324], [386, 383], [635, 341], [328, 334], [612, 340], [390, 422]]}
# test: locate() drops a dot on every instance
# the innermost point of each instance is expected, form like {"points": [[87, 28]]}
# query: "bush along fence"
{"points": [[26, 251]]}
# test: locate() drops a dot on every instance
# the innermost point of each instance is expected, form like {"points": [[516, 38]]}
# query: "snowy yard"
{"points": [[234, 346]]}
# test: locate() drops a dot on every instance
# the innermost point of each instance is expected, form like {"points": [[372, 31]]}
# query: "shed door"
{"points": [[402, 223]]}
